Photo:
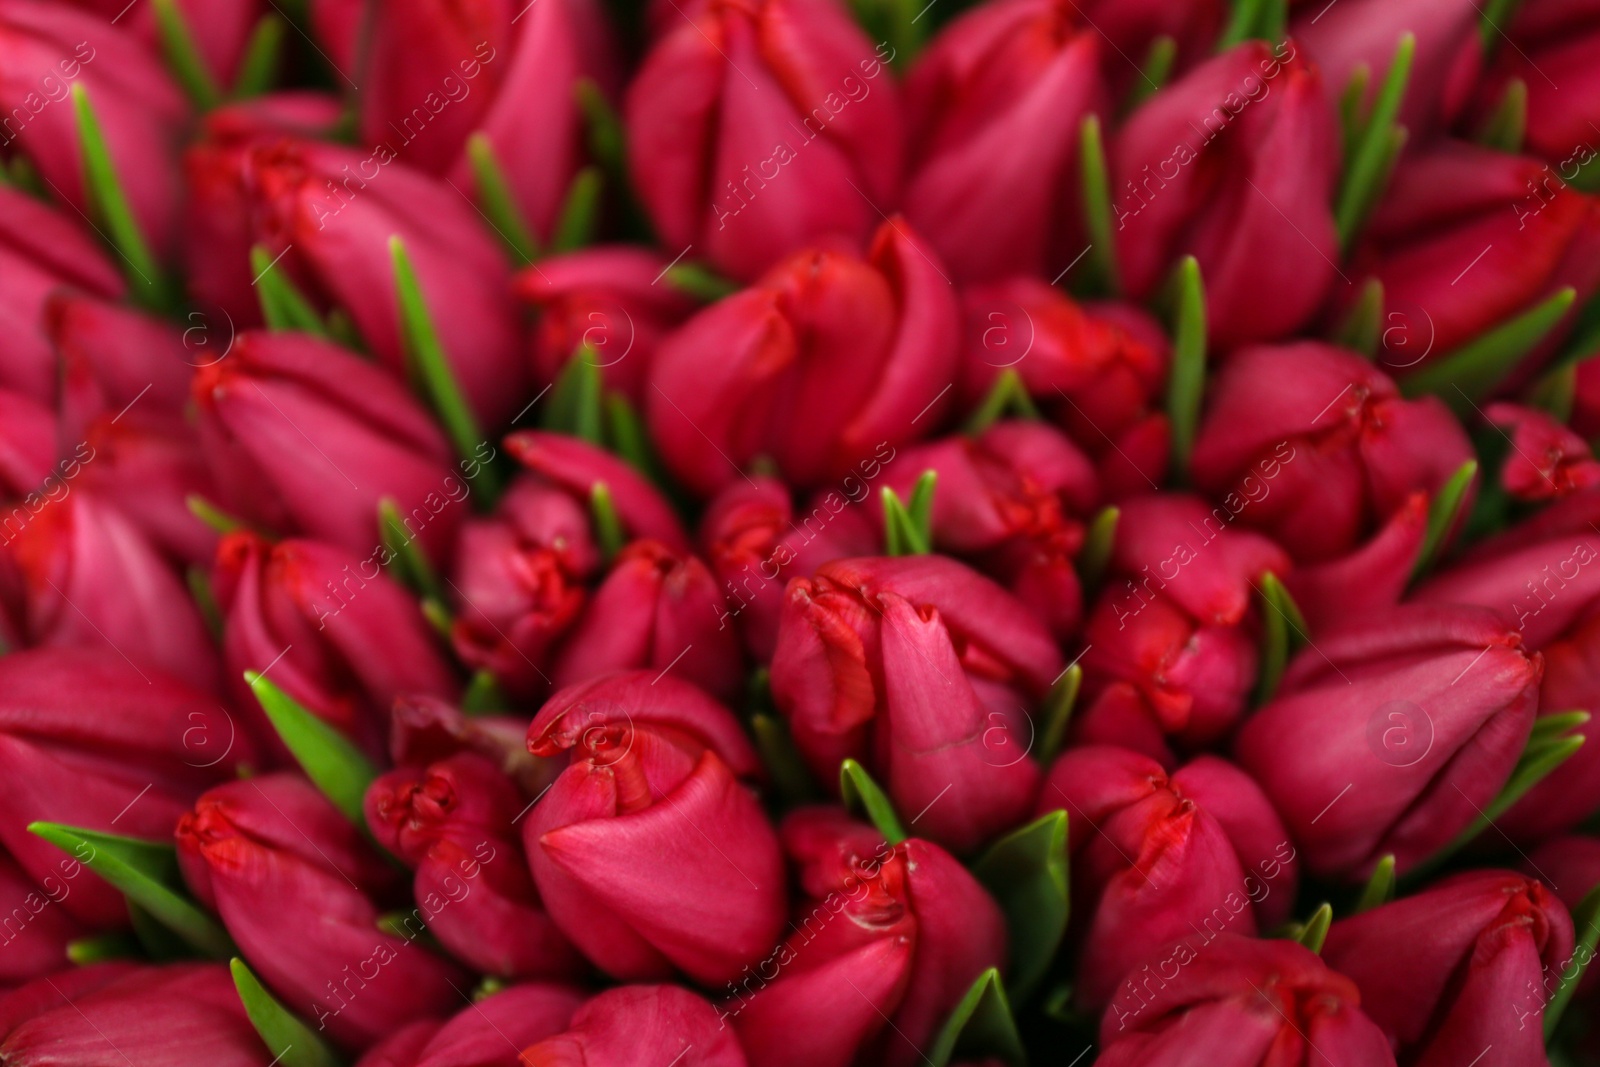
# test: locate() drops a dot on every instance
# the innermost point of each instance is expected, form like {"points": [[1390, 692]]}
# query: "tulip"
{"points": [[863, 348], [257, 850], [638, 1025], [924, 671], [654, 769], [80, 575], [1459, 966], [1248, 1003], [49, 49], [1315, 446], [995, 104], [1171, 647], [1157, 857], [1098, 370], [904, 932], [1547, 460], [1421, 715], [612, 299], [115, 359], [489, 1033], [27, 460], [221, 28], [1570, 866], [334, 631], [40, 252], [426, 730], [756, 540], [34, 930], [306, 437], [89, 740], [578, 467], [328, 212], [453, 821], [1011, 502], [1235, 164], [1429, 236], [1371, 578], [113, 1013]]}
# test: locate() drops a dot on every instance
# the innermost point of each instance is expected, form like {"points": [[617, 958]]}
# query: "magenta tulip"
{"points": [[489, 1033], [638, 1026]]}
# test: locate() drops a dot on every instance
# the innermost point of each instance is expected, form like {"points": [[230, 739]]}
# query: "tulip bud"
{"points": [[1157, 857], [995, 103], [337, 634], [864, 348], [578, 467], [1421, 715], [1571, 868], [654, 770], [1316, 447], [639, 1024], [257, 850], [887, 939], [1248, 1003], [489, 1033], [1458, 966], [304, 436], [1257, 124], [115, 359], [426, 730], [924, 671], [754, 130], [1547, 460], [453, 821], [1171, 646]]}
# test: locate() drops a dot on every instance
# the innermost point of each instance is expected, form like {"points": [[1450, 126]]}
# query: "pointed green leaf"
{"points": [[1186, 386], [782, 759], [146, 872], [1547, 728], [576, 404], [109, 204], [1274, 21], [1008, 397], [1494, 19], [183, 55], [1555, 391], [1283, 631], [981, 1026], [286, 1036], [1362, 328], [1507, 124], [98, 948], [1314, 931], [411, 564], [1444, 515], [1476, 368], [498, 202], [1379, 889], [608, 529], [603, 127], [1241, 23], [1353, 107], [1098, 215], [861, 795], [335, 766], [259, 65], [483, 695], [1058, 707], [1586, 926], [900, 534], [283, 305], [438, 616], [580, 212], [920, 506], [1026, 871], [1365, 171], [699, 282], [626, 435], [1155, 71], [1098, 542]]}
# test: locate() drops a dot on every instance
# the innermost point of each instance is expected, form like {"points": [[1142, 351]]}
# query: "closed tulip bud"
{"points": [[89, 740], [1442, 208], [1157, 857], [328, 212], [577, 467], [489, 1033], [257, 850], [113, 358], [1571, 868], [654, 770], [427, 729], [81, 575], [1459, 966], [306, 437], [638, 1025], [50, 49], [452, 823], [756, 540], [925, 671], [1248, 1003], [995, 104], [1549, 36], [1011, 501], [1547, 459], [336, 632], [864, 347], [1315, 446], [1421, 714], [757, 129], [148, 465], [114, 1013], [1172, 649], [1241, 153], [1098, 370], [887, 939], [612, 299]]}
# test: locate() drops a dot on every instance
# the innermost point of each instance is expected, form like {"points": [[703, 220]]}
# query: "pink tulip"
{"points": [[489, 1033], [1547, 460], [637, 1026]]}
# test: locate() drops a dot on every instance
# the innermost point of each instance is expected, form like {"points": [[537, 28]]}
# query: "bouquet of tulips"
{"points": [[799, 533]]}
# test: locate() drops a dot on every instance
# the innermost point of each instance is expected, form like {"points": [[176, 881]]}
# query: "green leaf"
{"points": [[908, 527], [1352, 107], [155, 938], [1367, 168], [576, 406], [286, 1036], [109, 203], [1097, 209], [1586, 924], [283, 305], [1154, 73], [782, 759], [483, 695], [1241, 24], [1058, 707], [608, 530], [1283, 631], [146, 872], [199, 582], [1095, 555], [98, 948], [438, 616], [335, 766], [1444, 515], [580, 212], [1494, 15], [1314, 931], [981, 1026], [1008, 397], [699, 282], [626, 435], [1547, 728], [411, 564], [498, 202], [1186, 386], [183, 55], [606, 136], [259, 66], [1555, 391], [1477, 367], [1507, 125], [1379, 889], [1362, 328], [1026, 871], [861, 795]]}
